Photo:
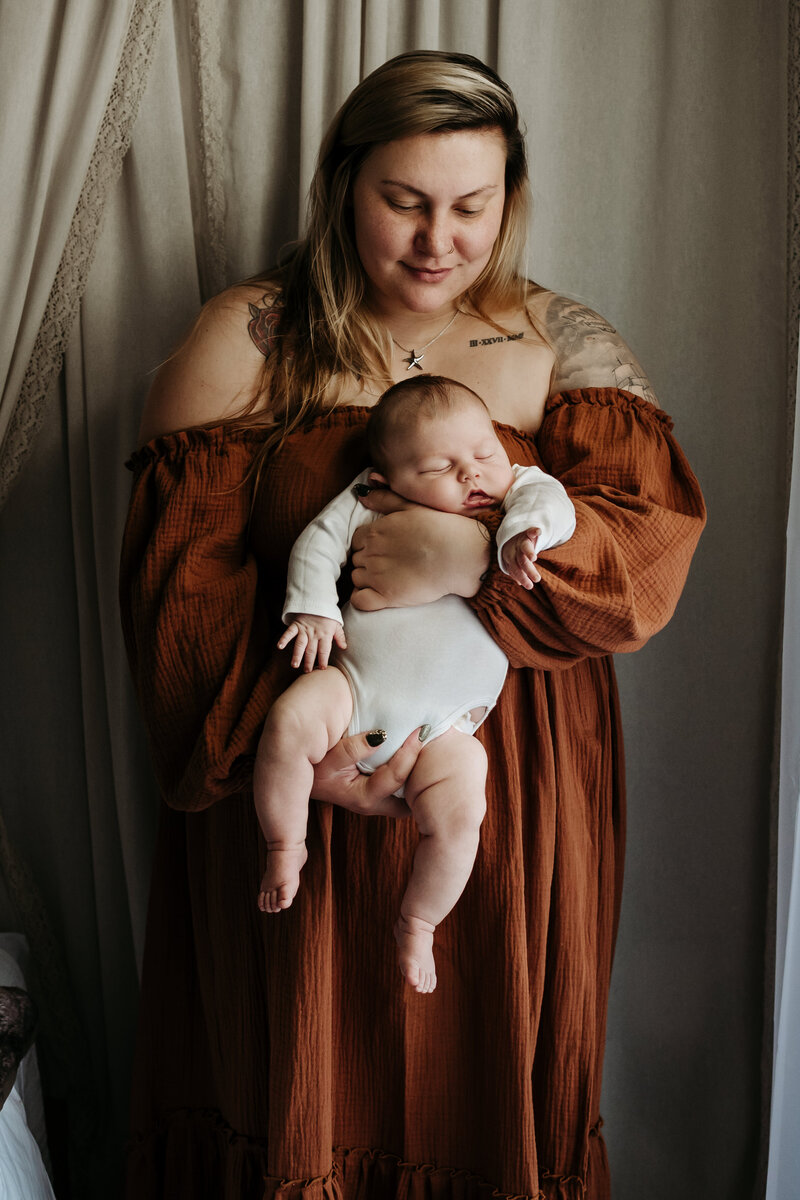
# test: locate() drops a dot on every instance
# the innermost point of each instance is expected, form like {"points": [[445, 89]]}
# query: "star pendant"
{"points": [[414, 360]]}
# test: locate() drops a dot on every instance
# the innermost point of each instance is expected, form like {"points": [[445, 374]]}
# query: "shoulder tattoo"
{"points": [[589, 350], [265, 317]]}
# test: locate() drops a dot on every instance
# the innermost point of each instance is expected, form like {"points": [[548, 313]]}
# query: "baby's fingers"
{"points": [[533, 539], [289, 632], [310, 656], [533, 575], [299, 648], [519, 576], [323, 652], [529, 572], [523, 569]]}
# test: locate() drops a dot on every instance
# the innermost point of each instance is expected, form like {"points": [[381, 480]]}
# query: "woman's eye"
{"points": [[470, 212], [402, 207]]}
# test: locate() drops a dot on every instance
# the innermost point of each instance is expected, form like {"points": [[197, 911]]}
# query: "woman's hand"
{"points": [[338, 780], [415, 555]]}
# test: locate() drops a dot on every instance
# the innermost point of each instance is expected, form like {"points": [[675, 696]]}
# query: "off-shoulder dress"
{"points": [[281, 1056]]}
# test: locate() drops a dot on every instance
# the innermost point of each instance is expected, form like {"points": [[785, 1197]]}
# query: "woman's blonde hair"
{"points": [[325, 334]]}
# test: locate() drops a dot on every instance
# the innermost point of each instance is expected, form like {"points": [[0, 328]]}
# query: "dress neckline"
{"points": [[350, 413], [167, 445]]}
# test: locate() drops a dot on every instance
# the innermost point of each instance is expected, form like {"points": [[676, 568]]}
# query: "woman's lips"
{"points": [[428, 274]]}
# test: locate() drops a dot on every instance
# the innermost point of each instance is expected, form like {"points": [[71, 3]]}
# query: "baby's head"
{"points": [[432, 441]]}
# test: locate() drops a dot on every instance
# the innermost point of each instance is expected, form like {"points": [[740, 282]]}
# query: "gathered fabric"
{"points": [[281, 1055]]}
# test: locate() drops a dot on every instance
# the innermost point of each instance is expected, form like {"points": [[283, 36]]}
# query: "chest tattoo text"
{"points": [[511, 337]]}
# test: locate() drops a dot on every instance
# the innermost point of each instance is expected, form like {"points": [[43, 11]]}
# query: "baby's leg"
{"points": [[446, 795], [301, 727]]}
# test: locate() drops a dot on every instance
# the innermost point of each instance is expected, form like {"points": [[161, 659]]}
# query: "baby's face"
{"points": [[453, 462]]}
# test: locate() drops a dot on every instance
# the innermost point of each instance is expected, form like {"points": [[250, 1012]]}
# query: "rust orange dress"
{"points": [[282, 1055]]}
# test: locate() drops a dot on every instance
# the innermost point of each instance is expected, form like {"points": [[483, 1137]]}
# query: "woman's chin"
{"points": [[408, 294]]}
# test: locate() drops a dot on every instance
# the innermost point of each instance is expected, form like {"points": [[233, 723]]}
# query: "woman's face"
{"points": [[427, 211]]}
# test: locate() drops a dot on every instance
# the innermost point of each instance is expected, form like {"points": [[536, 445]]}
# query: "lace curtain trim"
{"points": [[206, 59], [64, 1041], [69, 284], [793, 206]]}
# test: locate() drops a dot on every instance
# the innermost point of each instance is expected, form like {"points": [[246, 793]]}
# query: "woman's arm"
{"points": [[589, 351], [639, 515], [211, 376]]}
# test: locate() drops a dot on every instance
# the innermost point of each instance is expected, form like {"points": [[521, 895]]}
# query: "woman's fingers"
{"points": [[366, 599], [381, 500], [352, 749], [387, 778], [338, 780]]}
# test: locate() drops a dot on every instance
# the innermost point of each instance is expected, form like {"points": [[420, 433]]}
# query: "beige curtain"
{"points": [[657, 141], [73, 77]]}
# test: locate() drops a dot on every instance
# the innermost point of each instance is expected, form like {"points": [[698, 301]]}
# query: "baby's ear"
{"points": [[377, 480]]}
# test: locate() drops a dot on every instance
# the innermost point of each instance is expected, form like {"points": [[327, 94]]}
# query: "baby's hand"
{"points": [[519, 558], [312, 637]]}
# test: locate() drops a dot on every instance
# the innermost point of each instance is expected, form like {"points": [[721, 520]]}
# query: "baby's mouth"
{"points": [[479, 499]]}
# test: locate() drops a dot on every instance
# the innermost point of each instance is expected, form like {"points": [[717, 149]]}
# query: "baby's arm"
{"points": [[313, 638], [538, 516], [311, 608]]}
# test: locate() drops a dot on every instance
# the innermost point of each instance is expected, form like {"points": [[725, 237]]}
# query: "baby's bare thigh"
{"points": [[455, 758], [319, 700]]}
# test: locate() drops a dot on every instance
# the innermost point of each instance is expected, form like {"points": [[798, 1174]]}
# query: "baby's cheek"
{"points": [[507, 479]]}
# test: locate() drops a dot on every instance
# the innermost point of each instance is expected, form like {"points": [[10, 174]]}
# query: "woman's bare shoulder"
{"points": [[217, 369], [589, 351], [503, 357]]}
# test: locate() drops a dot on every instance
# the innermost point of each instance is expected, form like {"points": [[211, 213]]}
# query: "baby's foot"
{"points": [[282, 876], [415, 952]]}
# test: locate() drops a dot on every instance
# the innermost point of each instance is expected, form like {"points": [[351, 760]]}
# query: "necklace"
{"points": [[415, 357]]}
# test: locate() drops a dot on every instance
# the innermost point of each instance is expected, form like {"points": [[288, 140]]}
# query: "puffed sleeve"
{"points": [[197, 638], [639, 514]]}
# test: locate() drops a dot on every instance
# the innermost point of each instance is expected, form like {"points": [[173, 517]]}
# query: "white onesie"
{"points": [[427, 665]]}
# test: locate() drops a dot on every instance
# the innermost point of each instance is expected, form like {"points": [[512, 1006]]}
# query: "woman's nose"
{"points": [[434, 239]]}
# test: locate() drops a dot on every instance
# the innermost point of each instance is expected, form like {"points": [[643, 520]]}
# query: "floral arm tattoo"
{"points": [[589, 351]]}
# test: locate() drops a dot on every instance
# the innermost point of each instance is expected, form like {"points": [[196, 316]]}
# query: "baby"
{"points": [[433, 666]]}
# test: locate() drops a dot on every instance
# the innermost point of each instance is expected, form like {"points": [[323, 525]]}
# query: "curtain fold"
{"points": [[783, 1171], [784, 1146], [85, 94]]}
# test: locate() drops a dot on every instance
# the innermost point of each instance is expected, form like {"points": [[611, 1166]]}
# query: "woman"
{"points": [[280, 1055]]}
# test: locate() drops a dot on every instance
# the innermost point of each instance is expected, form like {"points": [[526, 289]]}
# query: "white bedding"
{"points": [[22, 1173]]}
